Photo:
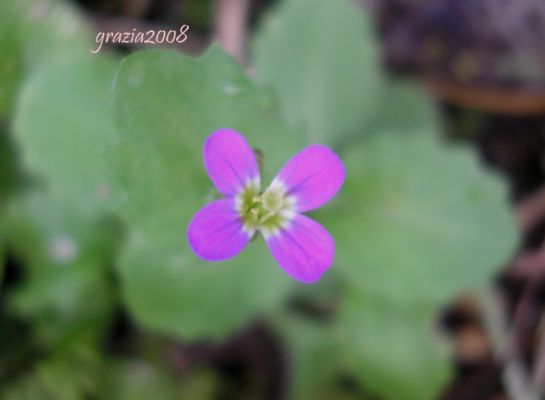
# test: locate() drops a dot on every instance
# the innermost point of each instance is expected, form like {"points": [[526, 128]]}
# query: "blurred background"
{"points": [[437, 108]]}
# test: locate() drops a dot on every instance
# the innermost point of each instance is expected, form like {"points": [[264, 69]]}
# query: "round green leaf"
{"points": [[418, 221], [63, 125], [320, 56], [314, 358], [392, 351], [403, 106], [175, 294], [166, 105]]}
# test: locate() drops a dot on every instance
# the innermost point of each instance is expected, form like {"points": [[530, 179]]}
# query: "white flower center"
{"points": [[268, 212]]}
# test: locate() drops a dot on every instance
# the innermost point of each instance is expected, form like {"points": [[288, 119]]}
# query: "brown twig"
{"points": [[511, 101]]}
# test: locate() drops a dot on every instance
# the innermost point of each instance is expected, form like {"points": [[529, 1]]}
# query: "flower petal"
{"points": [[215, 233], [313, 176], [230, 162], [304, 249]]}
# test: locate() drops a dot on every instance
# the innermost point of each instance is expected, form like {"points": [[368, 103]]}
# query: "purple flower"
{"points": [[220, 230]]}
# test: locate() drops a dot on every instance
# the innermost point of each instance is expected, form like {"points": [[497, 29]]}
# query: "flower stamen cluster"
{"points": [[268, 212]]}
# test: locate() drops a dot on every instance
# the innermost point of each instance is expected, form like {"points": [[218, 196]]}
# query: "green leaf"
{"points": [[11, 54], [176, 294], [2, 257], [321, 58], [65, 258], [9, 168], [166, 104], [391, 350], [72, 371], [402, 107], [64, 124], [136, 380], [33, 32], [418, 222], [387, 349], [313, 357]]}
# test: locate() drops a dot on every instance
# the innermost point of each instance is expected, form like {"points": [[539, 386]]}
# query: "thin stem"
{"points": [[231, 20], [517, 383]]}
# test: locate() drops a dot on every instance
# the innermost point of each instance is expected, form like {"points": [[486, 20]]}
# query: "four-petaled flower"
{"points": [[220, 230]]}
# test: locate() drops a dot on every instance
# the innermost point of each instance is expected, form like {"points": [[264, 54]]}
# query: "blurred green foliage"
{"points": [[63, 128], [426, 214], [33, 32], [325, 77], [391, 349], [111, 156]]}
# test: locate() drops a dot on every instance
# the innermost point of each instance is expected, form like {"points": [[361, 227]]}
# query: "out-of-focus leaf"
{"points": [[60, 233], [166, 104], [66, 259], [386, 349], [72, 371], [200, 385], [313, 357], [403, 107], [11, 56], [174, 294], [418, 222], [2, 256], [137, 380], [8, 168], [63, 125], [31, 33], [321, 58], [391, 350]]}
